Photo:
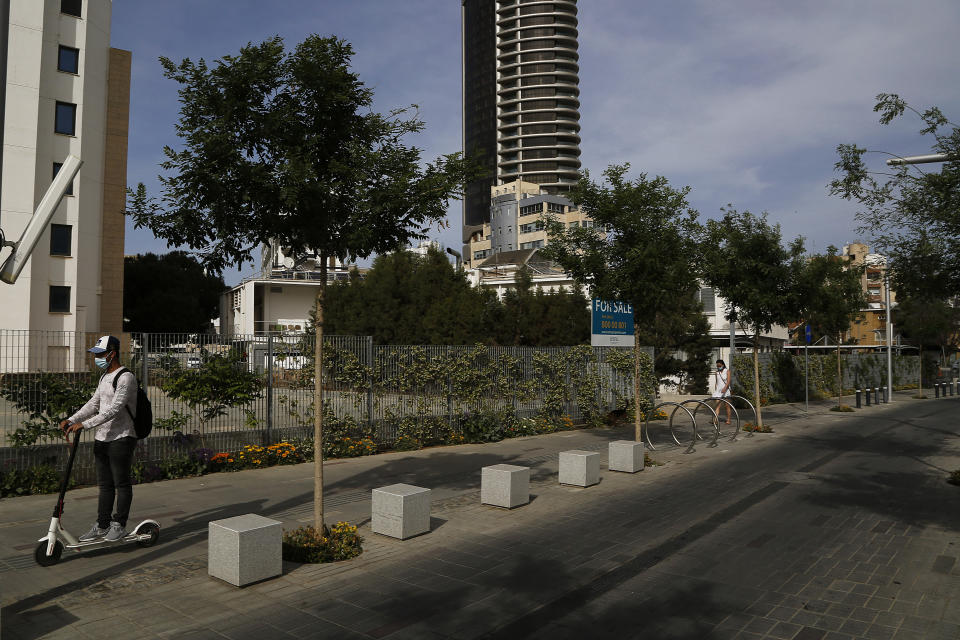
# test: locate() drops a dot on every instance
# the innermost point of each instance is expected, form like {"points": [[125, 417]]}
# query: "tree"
{"points": [[221, 381], [679, 325], [745, 261], [410, 299], [831, 297], [644, 258], [154, 294], [910, 204], [283, 146], [530, 316], [928, 320]]}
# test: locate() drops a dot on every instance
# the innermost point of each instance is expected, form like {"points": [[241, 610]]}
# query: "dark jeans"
{"points": [[114, 460]]}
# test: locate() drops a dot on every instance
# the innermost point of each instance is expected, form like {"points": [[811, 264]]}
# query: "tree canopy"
{"points": [[169, 293], [909, 206], [410, 299], [284, 146]]}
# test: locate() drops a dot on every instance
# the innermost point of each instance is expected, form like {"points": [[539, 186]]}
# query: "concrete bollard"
{"points": [[244, 549], [626, 456], [400, 511], [579, 468], [505, 485]]}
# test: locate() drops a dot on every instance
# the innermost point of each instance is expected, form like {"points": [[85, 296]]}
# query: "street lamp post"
{"points": [[886, 278]]}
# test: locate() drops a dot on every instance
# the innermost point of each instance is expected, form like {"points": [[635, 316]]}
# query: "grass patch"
{"points": [[843, 408], [954, 478], [752, 427], [650, 462], [919, 397]]}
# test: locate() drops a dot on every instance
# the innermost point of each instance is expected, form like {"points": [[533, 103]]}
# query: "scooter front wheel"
{"points": [[40, 555]]}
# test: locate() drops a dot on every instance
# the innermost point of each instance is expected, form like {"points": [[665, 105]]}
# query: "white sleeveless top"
{"points": [[719, 382]]}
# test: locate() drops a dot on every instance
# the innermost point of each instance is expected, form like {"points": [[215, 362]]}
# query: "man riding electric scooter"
{"points": [[110, 412]]}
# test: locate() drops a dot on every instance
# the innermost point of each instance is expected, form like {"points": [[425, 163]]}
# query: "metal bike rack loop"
{"points": [[756, 419], [675, 405], [716, 417]]}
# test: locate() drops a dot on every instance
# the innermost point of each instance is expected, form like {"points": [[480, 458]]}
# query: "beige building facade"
{"points": [[871, 329], [65, 92]]}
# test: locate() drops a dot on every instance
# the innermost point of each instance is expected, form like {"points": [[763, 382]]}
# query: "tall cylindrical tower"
{"points": [[538, 105]]}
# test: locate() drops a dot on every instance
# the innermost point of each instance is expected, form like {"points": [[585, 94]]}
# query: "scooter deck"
{"points": [[130, 537]]}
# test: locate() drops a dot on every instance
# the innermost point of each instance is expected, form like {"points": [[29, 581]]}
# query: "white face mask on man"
{"points": [[101, 363]]}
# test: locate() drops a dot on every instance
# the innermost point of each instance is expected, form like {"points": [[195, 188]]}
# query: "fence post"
{"points": [[269, 364], [370, 367], [449, 388], [566, 381], [144, 365]]}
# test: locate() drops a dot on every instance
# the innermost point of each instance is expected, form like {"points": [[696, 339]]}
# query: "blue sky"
{"points": [[743, 101]]}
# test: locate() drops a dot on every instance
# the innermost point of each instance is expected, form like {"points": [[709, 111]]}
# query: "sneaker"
{"points": [[93, 534], [116, 532]]}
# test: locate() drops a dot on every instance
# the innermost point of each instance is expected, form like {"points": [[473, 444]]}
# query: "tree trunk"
{"points": [[318, 523], [839, 377], [637, 425], [920, 383], [756, 376]]}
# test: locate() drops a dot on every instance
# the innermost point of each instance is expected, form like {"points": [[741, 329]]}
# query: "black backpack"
{"points": [[143, 419]]}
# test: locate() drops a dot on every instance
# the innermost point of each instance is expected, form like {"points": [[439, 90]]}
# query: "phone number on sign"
{"points": [[612, 324]]}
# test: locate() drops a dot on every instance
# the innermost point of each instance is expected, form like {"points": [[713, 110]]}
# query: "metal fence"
{"points": [[368, 389]]}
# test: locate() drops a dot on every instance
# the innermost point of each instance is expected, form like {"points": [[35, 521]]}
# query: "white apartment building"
{"points": [[716, 310], [64, 91], [278, 300]]}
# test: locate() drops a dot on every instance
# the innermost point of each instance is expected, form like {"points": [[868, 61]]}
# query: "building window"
{"points": [[71, 7], [553, 207], [66, 118], [480, 255], [59, 299], [61, 239], [532, 227], [536, 244], [531, 209], [68, 59], [708, 300], [56, 170], [574, 224]]}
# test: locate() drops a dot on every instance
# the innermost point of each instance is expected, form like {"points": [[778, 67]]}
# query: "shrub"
{"points": [[42, 478], [842, 408], [750, 426], [954, 477], [307, 544], [485, 426], [348, 447]]}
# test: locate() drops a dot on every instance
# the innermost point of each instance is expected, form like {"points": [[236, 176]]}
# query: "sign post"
{"points": [[612, 323], [806, 368]]}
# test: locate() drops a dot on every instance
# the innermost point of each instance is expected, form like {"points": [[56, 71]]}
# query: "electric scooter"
{"points": [[51, 546]]}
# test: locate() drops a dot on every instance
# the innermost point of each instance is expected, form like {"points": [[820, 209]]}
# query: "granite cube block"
{"points": [[244, 549], [580, 468], [400, 511], [625, 455], [505, 485]]}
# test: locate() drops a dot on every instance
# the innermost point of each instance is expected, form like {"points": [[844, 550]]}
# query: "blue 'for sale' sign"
{"points": [[612, 322]]}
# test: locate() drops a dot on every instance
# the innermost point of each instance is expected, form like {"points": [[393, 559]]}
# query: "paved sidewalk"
{"points": [[835, 526]]}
